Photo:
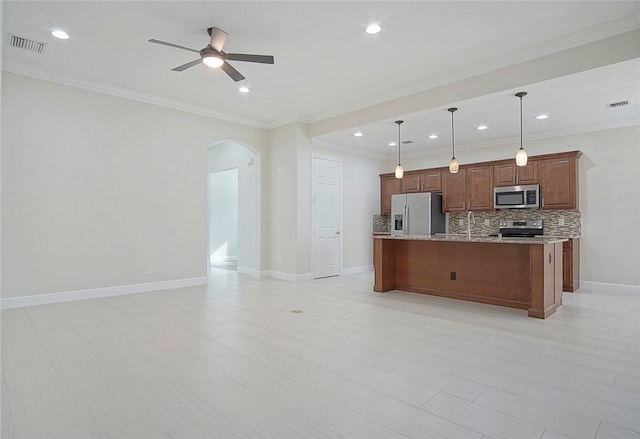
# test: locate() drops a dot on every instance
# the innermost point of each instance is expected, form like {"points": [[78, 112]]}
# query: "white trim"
{"points": [[606, 284], [96, 293], [356, 270], [111, 90], [286, 276]]}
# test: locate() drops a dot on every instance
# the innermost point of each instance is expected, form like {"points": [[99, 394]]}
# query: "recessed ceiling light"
{"points": [[60, 34], [393, 144], [358, 134], [373, 29], [433, 136], [482, 127], [542, 116], [244, 90]]}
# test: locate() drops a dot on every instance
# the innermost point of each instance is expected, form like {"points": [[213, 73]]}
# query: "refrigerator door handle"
{"points": [[406, 219]]}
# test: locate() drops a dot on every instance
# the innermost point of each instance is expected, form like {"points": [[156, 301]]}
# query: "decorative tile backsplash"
{"points": [[380, 223], [552, 219]]}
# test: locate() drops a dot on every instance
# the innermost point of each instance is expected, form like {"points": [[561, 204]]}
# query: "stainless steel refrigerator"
{"points": [[417, 214]]}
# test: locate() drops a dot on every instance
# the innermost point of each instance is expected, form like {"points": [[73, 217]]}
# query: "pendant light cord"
{"points": [[521, 94], [399, 122], [453, 138]]}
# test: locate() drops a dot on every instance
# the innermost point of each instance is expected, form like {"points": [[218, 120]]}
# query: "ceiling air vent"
{"points": [[618, 104], [26, 44], [407, 142]]}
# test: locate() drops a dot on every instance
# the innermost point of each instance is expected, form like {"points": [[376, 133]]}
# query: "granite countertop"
{"points": [[477, 238]]}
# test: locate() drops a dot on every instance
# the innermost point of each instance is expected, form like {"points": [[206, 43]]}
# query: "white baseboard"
{"points": [[286, 276], [606, 284], [96, 293], [355, 270]]}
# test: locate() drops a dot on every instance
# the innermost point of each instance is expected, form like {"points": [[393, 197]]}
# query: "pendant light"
{"points": [[399, 170], [453, 164], [521, 155]]}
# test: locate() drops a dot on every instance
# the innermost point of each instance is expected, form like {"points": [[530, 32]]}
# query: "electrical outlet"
{"points": [[561, 220], [486, 222], [150, 269], [461, 222]]}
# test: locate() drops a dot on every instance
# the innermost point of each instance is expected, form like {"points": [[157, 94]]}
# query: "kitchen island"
{"points": [[524, 273]]}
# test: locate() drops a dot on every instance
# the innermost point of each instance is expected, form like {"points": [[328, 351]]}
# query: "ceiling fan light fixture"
{"points": [[212, 60], [373, 29]]}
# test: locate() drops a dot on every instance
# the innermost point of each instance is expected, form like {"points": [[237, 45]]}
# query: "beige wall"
{"points": [[97, 188]]}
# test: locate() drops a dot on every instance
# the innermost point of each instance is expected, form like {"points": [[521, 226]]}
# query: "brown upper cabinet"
{"points": [[422, 181], [480, 188], [472, 187], [508, 173], [389, 185], [559, 181]]}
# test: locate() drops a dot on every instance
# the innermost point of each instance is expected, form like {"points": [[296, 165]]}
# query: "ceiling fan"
{"points": [[213, 56]]}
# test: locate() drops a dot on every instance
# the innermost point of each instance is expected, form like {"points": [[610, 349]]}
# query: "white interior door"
{"points": [[326, 217]]}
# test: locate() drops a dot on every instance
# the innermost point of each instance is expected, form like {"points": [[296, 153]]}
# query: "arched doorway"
{"points": [[234, 180]]}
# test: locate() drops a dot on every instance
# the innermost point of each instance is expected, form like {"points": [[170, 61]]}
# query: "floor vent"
{"points": [[26, 44], [618, 104]]}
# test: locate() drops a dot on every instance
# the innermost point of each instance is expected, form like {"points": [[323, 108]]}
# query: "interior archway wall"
{"points": [[231, 154]]}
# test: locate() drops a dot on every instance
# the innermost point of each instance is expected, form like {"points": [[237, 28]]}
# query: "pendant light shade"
{"points": [[521, 155], [453, 164], [399, 169]]}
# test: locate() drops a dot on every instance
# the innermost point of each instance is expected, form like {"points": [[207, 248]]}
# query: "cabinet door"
{"points": [[454, 191], [527, 174], [411, 182], [505, 174], [480, 188], [431, 181], [558, 183], [389, 185]]}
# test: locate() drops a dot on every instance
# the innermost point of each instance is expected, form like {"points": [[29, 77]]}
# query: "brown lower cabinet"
{"points": [[571, 265]]}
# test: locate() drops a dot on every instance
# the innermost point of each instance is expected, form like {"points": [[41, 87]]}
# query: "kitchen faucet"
{"points": [[470, 217]]}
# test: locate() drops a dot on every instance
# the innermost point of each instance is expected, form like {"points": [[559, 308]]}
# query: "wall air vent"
{"points": [[25, 43], [618, 104]]}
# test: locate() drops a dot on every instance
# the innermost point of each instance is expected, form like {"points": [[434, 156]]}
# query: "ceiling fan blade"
{"points": [[229, 70], [218, 37], [187, 65], [265, 59], [164, 43]]}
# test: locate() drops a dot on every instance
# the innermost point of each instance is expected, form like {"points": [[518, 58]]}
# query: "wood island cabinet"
{"points": [[389, 185], [571, 265], [508, 173], [559, 182]]}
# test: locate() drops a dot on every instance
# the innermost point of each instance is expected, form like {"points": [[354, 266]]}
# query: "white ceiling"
{"points": [[326, 65]]}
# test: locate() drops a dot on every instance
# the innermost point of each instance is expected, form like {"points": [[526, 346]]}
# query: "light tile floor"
{"points": [[231, 361]]}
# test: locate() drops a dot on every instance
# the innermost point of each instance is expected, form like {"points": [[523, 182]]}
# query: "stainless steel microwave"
{"points": [[517, 197]]}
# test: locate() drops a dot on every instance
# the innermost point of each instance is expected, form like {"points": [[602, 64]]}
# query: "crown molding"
{"points": [[348, 150], [51, 76], [566, 42]]}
